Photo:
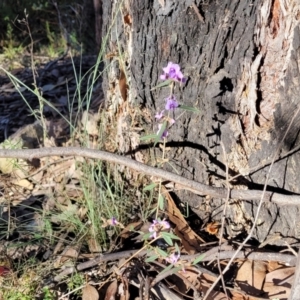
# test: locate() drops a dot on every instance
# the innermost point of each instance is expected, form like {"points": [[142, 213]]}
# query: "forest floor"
{"points": [[79, 228]]}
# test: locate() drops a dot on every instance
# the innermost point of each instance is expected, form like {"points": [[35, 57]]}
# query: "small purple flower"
{"points": [[172, 71], [173, 258], [152, 231], [164, 134], [114, 221], [158, 226], [171, 103], [159, 116], [111, 222]]}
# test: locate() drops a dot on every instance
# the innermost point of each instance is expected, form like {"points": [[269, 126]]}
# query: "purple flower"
{"points": [[172, 71], [158, 226], [111, 222], [160, 115], [171, 103], [164, 134], [173, 258], [114, 221]]}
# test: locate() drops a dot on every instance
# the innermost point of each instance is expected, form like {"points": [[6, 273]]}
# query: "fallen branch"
{"points": [[181, 182], [288, 259]]}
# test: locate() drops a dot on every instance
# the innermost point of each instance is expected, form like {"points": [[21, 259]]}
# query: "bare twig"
{"points": [[288, 259], [183, 183], [223, 218]]}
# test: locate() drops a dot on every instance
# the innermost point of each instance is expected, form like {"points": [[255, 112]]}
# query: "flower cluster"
{"points": [[157, 226], [171, 72]]}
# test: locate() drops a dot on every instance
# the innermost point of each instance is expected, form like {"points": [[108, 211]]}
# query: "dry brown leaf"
{"points": [[277, 292], [281, 274], [190, 240], [238, 296], [207, 278], [123, 289], [127, 231], [190, 277], [279, 282], [37, 176], [215, 295], [89, 293], [273, 265], [251, 276], [93, 245], [23, 183], [67, 254], [111, 291]]}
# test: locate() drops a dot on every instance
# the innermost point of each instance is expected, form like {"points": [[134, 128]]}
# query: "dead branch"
{"points": [[181, 182]]}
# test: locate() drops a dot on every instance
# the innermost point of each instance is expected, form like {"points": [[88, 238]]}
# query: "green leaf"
{"points": [[148, 137], [164, 83], [170, 235], [150, 187], [160, 133], [198, 259], [171, 267], [168, 240], [189, 108], [161, 252], [146, 236], [151, 258], [161, 202]]}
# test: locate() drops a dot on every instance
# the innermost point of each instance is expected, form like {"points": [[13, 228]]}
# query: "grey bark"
{"points": [[242, 65]]}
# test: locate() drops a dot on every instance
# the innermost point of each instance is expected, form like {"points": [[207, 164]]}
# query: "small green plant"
{"points": [[11, 47], [76, 281], [48, 294], [57, 43]]}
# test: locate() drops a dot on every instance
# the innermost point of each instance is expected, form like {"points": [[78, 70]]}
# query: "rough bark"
{"points": [[98, 22], [242, 65]]}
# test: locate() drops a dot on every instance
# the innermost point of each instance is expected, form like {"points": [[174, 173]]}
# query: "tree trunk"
{"points": [[242, 65]]}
